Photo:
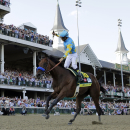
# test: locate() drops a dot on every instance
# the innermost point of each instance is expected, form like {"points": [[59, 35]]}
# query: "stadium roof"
{"points": [[58, 23], [109, 65], [106, 64], [81, 47], [29, 25], [121, 46], [54, 52], [91, 55]]}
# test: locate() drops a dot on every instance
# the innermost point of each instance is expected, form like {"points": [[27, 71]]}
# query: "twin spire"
{"points": [[121, 46], [58, 23]]}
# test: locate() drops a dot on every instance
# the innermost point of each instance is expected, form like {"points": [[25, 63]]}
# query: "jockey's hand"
{"points": [[53, 33], [61, 59]]}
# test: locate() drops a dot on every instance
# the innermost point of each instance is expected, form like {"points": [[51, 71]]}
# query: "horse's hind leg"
{"points": [[78, 107], [98, 109]]}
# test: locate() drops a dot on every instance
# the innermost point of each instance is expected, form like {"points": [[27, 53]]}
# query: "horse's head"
{"points": [[44, 67]]}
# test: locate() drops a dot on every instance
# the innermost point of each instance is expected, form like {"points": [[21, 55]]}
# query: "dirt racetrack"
{"points": [[37, 122]]}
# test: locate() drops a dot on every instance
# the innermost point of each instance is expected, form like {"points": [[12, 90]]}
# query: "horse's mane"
{"points": [[56, 61]]}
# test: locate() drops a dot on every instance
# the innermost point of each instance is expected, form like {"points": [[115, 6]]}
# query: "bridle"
{"points": [[45, 72]]}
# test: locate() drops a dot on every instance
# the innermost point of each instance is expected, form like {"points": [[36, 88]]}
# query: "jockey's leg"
{"points": [[68, 61], [74, 66], [74, 61]]}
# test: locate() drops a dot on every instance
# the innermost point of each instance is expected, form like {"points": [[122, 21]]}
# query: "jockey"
{"points": [[70, 51]]}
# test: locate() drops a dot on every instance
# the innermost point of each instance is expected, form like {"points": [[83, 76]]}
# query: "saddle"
{"points": [[87, 80]]}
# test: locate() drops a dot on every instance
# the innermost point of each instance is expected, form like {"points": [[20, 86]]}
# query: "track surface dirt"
{"points": [[37, 122]]}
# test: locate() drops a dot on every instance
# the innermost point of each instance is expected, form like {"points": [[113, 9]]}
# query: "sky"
{"points": [[97, 21]]}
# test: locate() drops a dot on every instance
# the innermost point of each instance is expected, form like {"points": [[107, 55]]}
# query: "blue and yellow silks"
{"points": [[69, 46]]}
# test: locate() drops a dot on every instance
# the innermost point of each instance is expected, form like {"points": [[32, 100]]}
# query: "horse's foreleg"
{"points": [[47, 102], [53, 95], [59, 97]]}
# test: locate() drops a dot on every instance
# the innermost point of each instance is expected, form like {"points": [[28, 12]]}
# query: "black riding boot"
{"points": [[79, 76]]}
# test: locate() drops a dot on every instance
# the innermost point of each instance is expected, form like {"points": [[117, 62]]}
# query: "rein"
{"points": [[53, 67]]}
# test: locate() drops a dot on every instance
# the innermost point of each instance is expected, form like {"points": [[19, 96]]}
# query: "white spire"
{"points": [[121, 51], [121, 46], [58, 23]]}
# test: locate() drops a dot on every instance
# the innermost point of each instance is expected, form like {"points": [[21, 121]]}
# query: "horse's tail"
{"points": [[102, 88]]}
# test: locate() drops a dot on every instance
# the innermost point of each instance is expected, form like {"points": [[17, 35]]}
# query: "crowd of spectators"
{"points": [[117, 88], [5, 3], [107, 107], [25, 34], [18, 102], [26, 78], [23, 78]]}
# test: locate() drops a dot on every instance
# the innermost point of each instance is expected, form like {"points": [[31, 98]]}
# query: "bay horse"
{"points": [[64, 85]]}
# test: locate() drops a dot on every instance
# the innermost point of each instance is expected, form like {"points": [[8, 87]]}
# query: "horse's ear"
{"points": [[44, 56]]}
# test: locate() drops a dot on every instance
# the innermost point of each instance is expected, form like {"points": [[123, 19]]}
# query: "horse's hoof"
{"points": [[47, 116], [95, 122], [70, 123], [44, 115]]}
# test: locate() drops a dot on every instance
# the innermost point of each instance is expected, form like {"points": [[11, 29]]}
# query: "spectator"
{"points": [[5, 110], [89, 112], [39, 104], [16, 33], [1, 113], [82, 108], [12, 111], [50, 43], [114, 112], [32, 37], [24, 111], [19, 102], [118, 112], [11, 103]]}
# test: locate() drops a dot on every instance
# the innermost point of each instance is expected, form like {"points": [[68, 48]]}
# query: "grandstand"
{"points": [[20, 54]]}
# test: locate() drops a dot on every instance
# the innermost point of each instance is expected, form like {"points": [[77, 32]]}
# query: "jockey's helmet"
{"points": [[64, 34]]}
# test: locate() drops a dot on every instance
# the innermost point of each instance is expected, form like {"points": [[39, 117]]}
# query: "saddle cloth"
{"points": [[87, 80], [85, 83]]}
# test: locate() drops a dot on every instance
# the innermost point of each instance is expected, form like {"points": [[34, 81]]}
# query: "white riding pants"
{"points": [[71, 58]]}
